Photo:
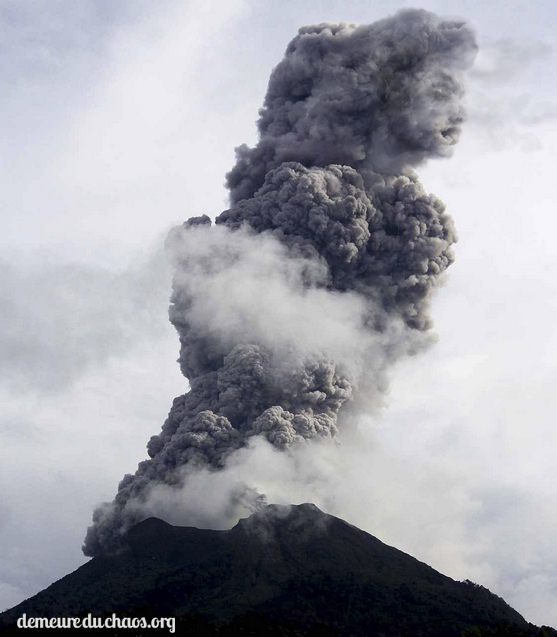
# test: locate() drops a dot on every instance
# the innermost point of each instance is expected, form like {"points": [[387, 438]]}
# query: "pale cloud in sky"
{"points": [[117, 124]]}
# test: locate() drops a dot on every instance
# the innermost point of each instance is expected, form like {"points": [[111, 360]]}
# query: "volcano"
{"points": [[286, 570]]}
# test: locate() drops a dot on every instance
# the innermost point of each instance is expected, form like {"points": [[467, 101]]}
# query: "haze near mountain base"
{"points": [[293, 306]]}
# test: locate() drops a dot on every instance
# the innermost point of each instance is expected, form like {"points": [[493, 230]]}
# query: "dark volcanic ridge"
{"points": [[293, 567]]}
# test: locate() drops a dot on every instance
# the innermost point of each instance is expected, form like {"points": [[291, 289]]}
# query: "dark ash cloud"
{"points": [[293, 306]]}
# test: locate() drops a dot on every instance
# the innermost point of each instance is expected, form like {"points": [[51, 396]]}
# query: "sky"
{"points": [[119, 121]]}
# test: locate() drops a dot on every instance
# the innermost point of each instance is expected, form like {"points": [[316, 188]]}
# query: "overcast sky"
{"points": [[118, 121]]}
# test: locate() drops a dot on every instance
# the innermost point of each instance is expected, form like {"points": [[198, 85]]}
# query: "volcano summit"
{"points": [[288, 570]]}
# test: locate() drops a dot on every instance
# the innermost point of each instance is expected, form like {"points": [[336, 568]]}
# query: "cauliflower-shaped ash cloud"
{"points": [[292, 307]]}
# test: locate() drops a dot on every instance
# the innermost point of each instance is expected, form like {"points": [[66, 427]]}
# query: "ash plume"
{"points": [[292, 307]]}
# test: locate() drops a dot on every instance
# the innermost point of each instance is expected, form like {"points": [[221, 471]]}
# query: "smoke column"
{"points": [[291, 308]]}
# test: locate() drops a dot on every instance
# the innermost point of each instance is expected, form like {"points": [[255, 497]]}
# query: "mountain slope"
{"points": [[295, 566]]}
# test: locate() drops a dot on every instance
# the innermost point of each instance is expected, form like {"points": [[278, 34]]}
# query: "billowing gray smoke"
{"points": [[293, 305]]}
